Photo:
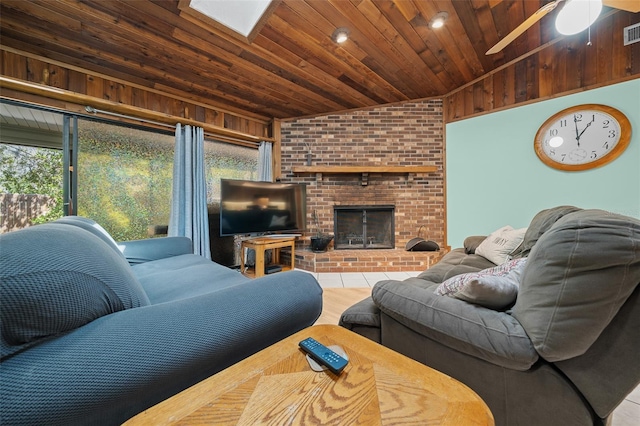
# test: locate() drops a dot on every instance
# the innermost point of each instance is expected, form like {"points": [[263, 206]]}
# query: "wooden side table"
{"points": [[261, 244]]}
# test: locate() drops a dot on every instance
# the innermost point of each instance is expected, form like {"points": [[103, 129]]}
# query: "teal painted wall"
{"points": [[494, 177]]}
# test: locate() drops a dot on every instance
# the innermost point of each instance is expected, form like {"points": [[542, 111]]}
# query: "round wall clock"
{"points": [[582, 137]]}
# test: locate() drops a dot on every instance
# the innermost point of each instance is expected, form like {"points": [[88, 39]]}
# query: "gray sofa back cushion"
{"points": [[540, 224], [55, 278], [576, 279]]}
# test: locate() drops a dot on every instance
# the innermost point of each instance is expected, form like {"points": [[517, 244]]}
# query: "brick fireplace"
{"points": [[386, 141]]}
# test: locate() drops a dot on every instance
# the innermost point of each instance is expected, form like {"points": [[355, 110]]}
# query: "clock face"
{"points": [[582, 137]]}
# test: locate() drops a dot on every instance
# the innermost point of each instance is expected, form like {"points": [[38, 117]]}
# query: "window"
{"points": [[121, 175], [30, 186], [30, 166], [124, 178], [223, 160]]}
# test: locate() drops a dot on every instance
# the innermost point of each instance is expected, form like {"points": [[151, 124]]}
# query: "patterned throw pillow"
{"points": [[499, 244], [494, 288]]}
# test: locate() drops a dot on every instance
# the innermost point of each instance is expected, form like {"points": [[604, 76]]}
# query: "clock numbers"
{"points": [[582, 137]]}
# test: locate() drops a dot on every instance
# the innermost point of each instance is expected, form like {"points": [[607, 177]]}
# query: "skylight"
{"points": [[239, 15]]}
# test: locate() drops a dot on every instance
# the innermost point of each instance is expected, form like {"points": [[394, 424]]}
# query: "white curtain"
{"points": [[265, 172], [189, 196]]}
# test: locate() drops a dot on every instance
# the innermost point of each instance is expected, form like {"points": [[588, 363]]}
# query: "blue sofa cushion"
{"points": [[55, 278], [93, 227], [160, 278]]}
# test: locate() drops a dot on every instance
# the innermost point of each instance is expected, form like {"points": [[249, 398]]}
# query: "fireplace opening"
{"points": [[363, 227]]}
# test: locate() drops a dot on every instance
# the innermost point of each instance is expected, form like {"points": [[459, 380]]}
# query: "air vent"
{"points": [[632, 34]]}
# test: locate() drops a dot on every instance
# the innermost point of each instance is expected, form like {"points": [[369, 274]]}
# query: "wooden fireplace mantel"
{"points": [[363, 170]]}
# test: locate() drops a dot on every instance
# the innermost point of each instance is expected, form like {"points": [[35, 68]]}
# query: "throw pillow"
{"points": [[494, 288], [500, 243]]}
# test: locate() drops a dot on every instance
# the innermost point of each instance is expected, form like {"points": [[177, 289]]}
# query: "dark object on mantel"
{"points": [[319, 244], [420, 244]]}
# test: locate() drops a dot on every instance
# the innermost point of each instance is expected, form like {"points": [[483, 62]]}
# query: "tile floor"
{"points": [[627, 413], [358, 279]]}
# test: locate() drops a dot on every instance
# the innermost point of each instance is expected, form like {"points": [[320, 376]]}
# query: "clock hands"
{"points": [[586, 127], [578, 135], [575, 121]]}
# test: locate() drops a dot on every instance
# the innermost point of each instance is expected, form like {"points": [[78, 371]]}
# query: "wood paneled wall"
{"points": [[555, 69], [111, 94]]}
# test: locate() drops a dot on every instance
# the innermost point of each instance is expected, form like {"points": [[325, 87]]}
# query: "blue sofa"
{"points": [[94, 332]]}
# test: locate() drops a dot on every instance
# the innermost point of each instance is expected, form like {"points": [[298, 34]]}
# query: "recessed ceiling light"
{"points": [[438, 20], [340, 35]]}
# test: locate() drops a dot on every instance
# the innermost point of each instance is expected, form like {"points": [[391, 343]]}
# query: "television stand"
{"points": [[260, 245]]}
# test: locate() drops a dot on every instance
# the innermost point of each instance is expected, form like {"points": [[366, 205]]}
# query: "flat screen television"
{"points": [[250, 207]]}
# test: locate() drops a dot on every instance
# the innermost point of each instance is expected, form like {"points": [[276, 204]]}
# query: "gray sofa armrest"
{"points": [[140, 251], [494, 336], [120, 364], [363, 318]]}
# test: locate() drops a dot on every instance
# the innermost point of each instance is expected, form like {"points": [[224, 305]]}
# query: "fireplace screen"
{"points": [[368, 227]]}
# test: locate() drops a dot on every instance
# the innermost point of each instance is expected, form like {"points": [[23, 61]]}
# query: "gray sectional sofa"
{"points": [[94, 332], [565, 352]]}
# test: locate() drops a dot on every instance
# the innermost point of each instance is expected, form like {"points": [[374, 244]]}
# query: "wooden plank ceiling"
{"points": [[291, 67]]}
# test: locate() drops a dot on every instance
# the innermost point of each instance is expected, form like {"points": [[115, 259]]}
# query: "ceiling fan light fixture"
{"points": [[438, 20], [340, 35], [577, 15]]}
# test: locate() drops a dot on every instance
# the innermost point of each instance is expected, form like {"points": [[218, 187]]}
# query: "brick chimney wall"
{"points": [[406, 134]]}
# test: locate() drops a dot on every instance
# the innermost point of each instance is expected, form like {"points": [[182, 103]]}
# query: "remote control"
{"points": [[323, 355]]}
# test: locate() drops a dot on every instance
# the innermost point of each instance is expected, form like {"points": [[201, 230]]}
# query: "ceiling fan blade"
{"points": [[628, 5], [538, 14]]}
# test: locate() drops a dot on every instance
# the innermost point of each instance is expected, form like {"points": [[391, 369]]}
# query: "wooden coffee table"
{"points": [[276, 386]]}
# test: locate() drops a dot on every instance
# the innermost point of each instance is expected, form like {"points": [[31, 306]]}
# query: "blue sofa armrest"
{"points": [[120, 364], [140, 251]]}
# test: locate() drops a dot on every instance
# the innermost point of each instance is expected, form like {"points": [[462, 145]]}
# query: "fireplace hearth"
{"points": [[364, 227]]}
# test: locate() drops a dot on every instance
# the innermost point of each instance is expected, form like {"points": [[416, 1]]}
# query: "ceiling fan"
{"points": [[571, 10]]}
